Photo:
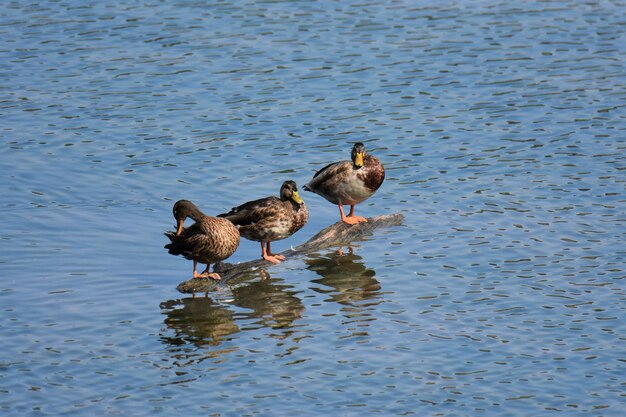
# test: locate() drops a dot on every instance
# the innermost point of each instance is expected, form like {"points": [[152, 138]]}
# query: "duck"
{"points": [[270, 219], [349, 182], [209, 240]]}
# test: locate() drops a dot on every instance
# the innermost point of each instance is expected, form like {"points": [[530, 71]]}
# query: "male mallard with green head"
{"points": [[349, 182], [208, 241], [271, 218]]}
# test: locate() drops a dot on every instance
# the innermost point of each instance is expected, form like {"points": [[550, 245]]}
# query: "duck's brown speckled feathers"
{"points": [[347, 182], [209, 240], [271, 218]]}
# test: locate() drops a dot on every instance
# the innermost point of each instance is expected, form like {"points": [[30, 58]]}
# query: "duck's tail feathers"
{"points": [[176, 245]]}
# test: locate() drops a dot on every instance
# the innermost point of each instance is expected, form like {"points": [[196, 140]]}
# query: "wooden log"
{"points": [[334, 235]]}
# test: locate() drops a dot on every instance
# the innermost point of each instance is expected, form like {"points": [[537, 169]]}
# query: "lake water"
{"points": [[502, 128]]}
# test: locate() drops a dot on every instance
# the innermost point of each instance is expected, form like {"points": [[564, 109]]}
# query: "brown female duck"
{"points": [[271, 218], [349, 182], [208, 241]]}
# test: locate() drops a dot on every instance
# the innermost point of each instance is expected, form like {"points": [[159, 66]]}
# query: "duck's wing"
{"points": [[328, 173], [253, 211], [326, 168]]}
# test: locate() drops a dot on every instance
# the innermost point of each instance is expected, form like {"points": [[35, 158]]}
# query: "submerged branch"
{"points": [[334, 235]]}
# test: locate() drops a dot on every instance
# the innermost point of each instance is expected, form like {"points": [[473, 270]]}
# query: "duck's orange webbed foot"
{"points": [[207, 275], [358, 219], [214, 275], [272, 259], [350, 218], [196, 275], [353, 219], [266, 253]]}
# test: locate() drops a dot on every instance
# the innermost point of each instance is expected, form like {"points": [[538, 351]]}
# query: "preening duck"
{"points": [[208, 241]]}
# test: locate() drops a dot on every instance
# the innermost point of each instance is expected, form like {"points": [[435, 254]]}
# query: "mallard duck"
{"points": [[208, 241], [271, 218], [349, 182]]}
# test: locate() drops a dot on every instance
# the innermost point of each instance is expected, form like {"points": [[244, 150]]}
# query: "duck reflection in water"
{"points": [[199, 321], [202, 321], [345, 278], [271, 302]]}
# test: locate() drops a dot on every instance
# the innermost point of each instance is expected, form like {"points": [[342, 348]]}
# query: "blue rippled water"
{"points": [[501, 126]]}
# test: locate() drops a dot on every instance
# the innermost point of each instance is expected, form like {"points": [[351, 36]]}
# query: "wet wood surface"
{"points": [[336, 234]]}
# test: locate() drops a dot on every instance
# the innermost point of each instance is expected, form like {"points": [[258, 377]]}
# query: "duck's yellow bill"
{"points": [[296, 197], [358, 161]]}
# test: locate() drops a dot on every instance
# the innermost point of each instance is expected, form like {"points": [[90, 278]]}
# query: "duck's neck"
{"points": [[290, 202], [195, 213]]}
